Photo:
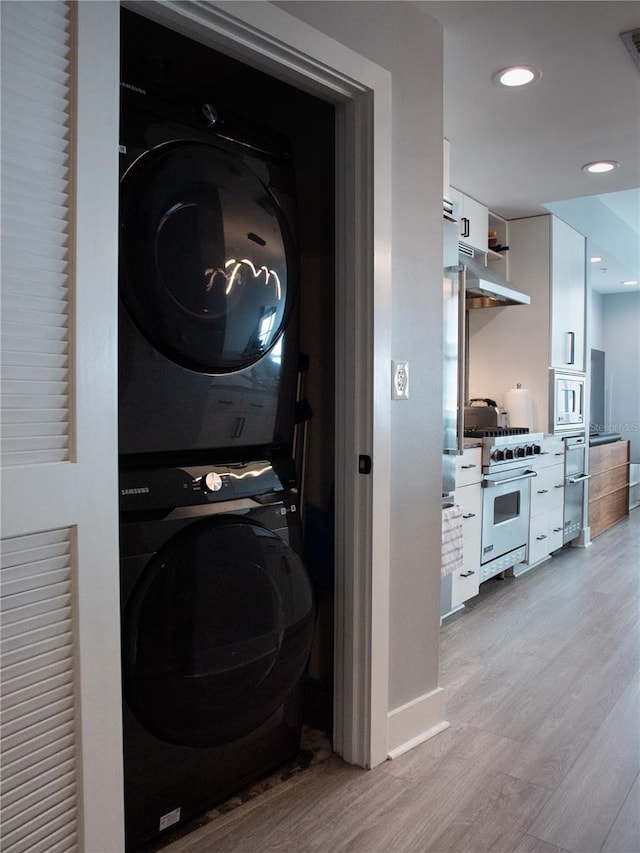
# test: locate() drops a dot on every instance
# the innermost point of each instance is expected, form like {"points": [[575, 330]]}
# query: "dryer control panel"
{"points": [[156, 488]]}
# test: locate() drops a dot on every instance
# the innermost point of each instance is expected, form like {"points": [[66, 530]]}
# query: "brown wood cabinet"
{"points": [[609, 485]]}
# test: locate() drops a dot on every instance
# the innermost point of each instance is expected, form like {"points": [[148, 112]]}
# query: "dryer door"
{"points": [[216, 632], [206, 257]]}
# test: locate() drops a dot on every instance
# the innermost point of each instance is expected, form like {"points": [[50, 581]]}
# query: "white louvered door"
{"points": [[37, 89], [61, 783], [39, 733]]}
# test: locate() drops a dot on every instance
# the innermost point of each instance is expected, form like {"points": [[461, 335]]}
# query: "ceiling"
{"points": [[521, 151]]}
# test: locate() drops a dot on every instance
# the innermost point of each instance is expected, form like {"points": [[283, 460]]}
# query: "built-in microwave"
{"points": [[567, 401]]}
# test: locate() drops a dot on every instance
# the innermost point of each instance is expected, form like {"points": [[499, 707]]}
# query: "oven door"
{"points": [[506, 499]]}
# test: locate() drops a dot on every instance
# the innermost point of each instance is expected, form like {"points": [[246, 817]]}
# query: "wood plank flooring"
{"points": [[542, 675]]}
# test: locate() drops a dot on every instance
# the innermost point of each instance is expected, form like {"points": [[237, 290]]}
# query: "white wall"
{"points": [[621, 345], [406, 43], [596, 321]]}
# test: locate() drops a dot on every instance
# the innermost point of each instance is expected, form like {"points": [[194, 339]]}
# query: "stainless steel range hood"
{"points": [[486, 289]]}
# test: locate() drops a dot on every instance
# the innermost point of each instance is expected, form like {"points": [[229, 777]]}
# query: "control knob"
{"points": [[212, 482]]}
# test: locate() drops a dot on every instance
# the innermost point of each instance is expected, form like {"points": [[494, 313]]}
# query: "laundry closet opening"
{"points": [[173, 67]]}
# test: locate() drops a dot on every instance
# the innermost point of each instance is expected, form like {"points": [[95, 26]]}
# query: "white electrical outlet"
{"points": [[399, 380]]}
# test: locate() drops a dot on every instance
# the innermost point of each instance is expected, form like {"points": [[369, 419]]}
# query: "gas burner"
{"points": [[493, 432]]}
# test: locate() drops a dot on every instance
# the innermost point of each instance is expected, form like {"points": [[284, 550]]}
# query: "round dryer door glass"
{"points": [[206, 257], [216, 633]]}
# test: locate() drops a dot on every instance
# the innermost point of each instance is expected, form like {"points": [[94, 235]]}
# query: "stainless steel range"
{"points": [[507, 454]]}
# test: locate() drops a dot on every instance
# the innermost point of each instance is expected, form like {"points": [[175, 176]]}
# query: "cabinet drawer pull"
{"points": [[465, 226], [471, 465], [559, 486], [559, 453], [540, 538], [469, 515], [557, 529], [466, 574], [542, 491]]}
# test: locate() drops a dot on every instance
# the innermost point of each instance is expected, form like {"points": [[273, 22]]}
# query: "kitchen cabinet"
{"points": [[568, 295], [608, 486], [473, 219], [548, 259], [519, 343], [469, 467], [547, 503], [468, 495]]}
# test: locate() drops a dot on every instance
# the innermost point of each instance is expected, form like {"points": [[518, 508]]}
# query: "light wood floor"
{"points": [[542, 676]]}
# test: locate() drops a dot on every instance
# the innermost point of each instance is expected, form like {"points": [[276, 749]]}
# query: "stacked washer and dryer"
{"points": [[217, 610]]}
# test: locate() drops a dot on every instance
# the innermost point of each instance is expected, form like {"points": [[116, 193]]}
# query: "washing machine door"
{"points": [[216, 632], [206, 257]]}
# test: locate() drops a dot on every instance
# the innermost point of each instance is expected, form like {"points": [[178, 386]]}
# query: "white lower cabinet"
{"points": [[547, 502], [465, 583]]}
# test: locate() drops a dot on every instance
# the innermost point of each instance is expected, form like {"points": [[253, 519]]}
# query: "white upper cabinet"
{"points": [[568, 278], [473, 220], [548, 258]]}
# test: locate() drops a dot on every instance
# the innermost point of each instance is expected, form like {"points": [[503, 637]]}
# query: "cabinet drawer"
{"points": [[464, 585], [556, 486], [547, 489], [556, 528], [469, 467], [540, 493], [608, 510], [608, 481], [469, 498], [539, 538], [607, 456], [552, 451]]}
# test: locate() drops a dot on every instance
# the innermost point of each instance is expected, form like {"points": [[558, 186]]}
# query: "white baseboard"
{"points": [[415, 722]]}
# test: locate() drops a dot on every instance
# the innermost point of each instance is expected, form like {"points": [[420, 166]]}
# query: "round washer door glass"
{"points": [[206, 257], [216, 632]]}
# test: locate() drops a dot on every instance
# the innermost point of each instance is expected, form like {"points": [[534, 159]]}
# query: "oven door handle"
{"points": [[579, 479], [528, 475]]}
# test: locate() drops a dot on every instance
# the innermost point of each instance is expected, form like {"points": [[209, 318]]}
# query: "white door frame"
{"points": [[267, 38]]}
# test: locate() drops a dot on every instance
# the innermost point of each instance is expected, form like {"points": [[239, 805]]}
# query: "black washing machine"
{"points": [[217, 621], [208, 283]]}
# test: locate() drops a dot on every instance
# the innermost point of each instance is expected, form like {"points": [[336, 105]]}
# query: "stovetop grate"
{"points": [[492, 432]]}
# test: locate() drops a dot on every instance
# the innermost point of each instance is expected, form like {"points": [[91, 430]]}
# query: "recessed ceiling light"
{"points": [[600, 166], [595, 260], [517, 75], [630, 283]]}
